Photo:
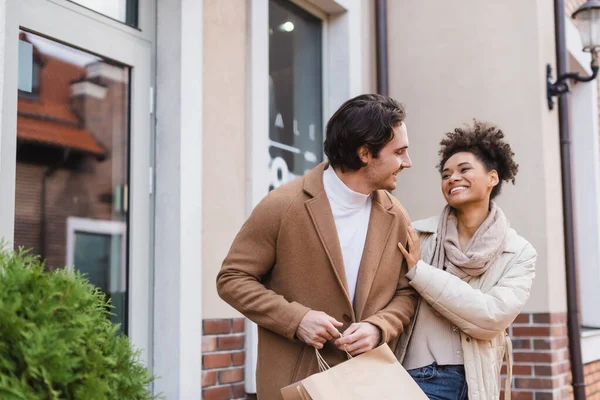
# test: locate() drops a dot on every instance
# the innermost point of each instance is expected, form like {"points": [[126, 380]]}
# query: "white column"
{"points": [[9, 33], [586, 181], [343, 63], [257, 145], [178, 230]]}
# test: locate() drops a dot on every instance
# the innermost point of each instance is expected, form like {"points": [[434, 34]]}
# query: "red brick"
{"points": [[522, 319], [524, 370], [533, 357], [564, 380], [230, 342], [562, 368], [209, 344], [544, 370], [216, 326], [209, 378], [559, 343], [562, 355], [211, 361], [554, 318], [546, 396], [238, 358], [231, 376], [239, 325], [239, 391], [558, 318], [552, 370], [535, 383], [531, 331], [217, 393], [541, 318], [521, 344], [542, 344], [559, 331], [518, 395]]}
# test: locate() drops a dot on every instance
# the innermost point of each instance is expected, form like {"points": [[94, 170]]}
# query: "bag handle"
{"points": [[508, 355], [323, 366]]}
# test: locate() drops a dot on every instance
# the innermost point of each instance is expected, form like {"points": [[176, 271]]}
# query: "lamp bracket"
{"points": [[561, 85]]}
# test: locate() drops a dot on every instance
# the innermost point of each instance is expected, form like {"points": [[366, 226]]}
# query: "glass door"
{"points": [[82, 146]]}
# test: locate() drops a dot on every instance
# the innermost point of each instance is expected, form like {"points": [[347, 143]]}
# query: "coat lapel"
{"points": [[380, 227], [321, 215]]}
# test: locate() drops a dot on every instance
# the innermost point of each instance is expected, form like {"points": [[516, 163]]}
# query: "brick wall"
{"points": [[541, 369], [223, 358], [592, 380]]}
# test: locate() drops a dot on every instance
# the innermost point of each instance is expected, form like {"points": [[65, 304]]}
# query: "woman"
{"points": [[474, 275]]}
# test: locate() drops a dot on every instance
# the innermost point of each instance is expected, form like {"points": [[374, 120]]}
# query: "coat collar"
{"points": [[313, 186], [380, 226], [514, 242]]}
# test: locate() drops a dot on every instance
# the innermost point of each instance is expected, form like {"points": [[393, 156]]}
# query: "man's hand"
{"points": [[413, 255], [358, 338], [316, 328]]}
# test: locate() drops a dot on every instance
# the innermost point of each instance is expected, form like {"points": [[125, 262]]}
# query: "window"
{"points": [[125, 11], [30, 65], [295, 91], [98, 249], [72, 170]]}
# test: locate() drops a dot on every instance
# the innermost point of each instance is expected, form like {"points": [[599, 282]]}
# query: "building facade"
{"points": [[137, 135]]}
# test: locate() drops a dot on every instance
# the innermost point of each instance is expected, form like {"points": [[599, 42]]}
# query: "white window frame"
{"points": [[342, 79], [102, 227], [85, 29], [586, 166], [146, 18]]}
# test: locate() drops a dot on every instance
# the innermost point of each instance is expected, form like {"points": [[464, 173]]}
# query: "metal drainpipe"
{"points": [[381, 46], [578, 378]]}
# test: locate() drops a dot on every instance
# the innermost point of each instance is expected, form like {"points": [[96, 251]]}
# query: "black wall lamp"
{"points": [[588, 21]]}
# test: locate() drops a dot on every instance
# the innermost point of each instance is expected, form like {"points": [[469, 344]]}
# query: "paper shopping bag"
{"points": [[376, 375]]}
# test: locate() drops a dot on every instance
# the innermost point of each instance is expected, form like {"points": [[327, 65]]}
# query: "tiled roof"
{"points": [[58, 134], [55, 96], [48, 117]]}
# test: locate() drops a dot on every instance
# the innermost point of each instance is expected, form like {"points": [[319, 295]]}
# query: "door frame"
{"points": [[79, 27]]}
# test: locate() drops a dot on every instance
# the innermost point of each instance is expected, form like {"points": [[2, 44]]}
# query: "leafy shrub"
{"points": [[56, 339]]}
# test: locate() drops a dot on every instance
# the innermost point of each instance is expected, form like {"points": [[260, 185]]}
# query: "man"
{"points": [[319, 256]]}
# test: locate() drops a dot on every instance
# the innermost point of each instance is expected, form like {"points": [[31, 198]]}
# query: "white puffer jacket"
{"points": [[482, 308]]}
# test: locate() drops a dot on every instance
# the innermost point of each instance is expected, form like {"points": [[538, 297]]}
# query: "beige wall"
{"points": [[224, 170], [451, 62]]}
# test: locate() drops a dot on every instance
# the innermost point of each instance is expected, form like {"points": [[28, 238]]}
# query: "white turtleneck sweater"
{"points": [[351, 213]]}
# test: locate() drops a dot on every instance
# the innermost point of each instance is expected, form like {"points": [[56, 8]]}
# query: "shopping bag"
{"points": [[376, 375]]}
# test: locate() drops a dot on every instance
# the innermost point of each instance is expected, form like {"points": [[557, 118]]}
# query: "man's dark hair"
{"points": [[366, 120], [486, 142]]}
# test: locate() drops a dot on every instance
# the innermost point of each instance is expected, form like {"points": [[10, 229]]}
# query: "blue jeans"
{"points": [[442, 382]]}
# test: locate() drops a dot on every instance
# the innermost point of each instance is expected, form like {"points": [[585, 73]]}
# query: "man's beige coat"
{"points": [[287, 260]]}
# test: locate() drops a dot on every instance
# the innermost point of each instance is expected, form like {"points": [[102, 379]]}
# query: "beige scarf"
{"points": [[484, 248]]}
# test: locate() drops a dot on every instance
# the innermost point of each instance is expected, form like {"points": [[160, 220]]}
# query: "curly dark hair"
{"points": [[486, 142], [366, 120]]}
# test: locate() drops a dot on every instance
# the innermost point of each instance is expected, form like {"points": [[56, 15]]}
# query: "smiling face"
{"points": [[382, 172], [466, 180]]}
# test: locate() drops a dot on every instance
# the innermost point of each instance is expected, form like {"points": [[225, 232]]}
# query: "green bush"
{"points": [[56, 339]]}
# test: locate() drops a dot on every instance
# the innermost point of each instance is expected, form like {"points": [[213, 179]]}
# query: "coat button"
{"points": [[347, 318], [468, 339]]}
